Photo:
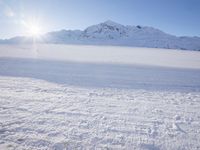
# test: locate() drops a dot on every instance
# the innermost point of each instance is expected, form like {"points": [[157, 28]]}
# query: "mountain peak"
{"points": [[111, 23], [112, 33]]}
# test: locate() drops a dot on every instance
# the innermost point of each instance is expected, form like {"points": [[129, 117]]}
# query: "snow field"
{"points": [[61, 97], [36, 114]]}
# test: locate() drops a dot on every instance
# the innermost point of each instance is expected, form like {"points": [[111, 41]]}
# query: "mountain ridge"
{"points": [[112, 33]]}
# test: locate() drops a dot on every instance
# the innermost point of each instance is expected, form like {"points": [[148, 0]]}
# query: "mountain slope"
{"points": [[111, 33]]}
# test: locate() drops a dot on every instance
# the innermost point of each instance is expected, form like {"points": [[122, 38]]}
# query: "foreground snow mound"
{"points": [[36, 114], [111, 33]]}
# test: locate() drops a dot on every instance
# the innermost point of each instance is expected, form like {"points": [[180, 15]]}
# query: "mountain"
{"points": [[112, 33]]}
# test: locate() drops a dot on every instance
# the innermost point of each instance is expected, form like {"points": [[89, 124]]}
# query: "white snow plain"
{"points": [[96, 97]]}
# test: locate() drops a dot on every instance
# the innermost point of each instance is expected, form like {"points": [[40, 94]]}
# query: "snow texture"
{"points": [[66, 97]]}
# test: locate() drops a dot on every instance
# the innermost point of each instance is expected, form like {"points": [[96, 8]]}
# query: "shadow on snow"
{"points": [[93, 75]]}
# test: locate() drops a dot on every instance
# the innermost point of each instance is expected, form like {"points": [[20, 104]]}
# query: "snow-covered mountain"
{"points": [[111, 33]]}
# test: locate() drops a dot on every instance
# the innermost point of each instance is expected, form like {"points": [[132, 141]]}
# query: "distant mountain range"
{"points": [[111, 33]]}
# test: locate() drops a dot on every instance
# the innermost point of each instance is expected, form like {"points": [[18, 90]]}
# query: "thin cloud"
{"points": [[6, 10], [9, 12]]}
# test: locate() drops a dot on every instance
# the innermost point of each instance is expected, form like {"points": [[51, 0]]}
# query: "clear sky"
{"points": [[178, 17]]}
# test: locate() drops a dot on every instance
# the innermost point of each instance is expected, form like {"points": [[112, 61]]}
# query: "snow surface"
{"points": [[86, 97], [105, 54]]}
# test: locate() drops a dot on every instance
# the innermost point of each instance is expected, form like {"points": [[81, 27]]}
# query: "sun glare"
{"points": [[33, 28]]}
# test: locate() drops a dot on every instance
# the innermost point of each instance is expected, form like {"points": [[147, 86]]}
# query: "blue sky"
{"points": [[178, 17]]}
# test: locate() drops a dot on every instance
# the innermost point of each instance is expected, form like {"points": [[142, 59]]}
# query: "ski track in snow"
{"points": [[57, 105]]}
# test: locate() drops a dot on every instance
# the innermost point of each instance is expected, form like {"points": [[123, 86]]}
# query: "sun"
{"points": [[33, 28]]}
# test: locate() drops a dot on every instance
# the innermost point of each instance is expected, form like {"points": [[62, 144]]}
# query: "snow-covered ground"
{"points": [[105, 54], [88, 97]]}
